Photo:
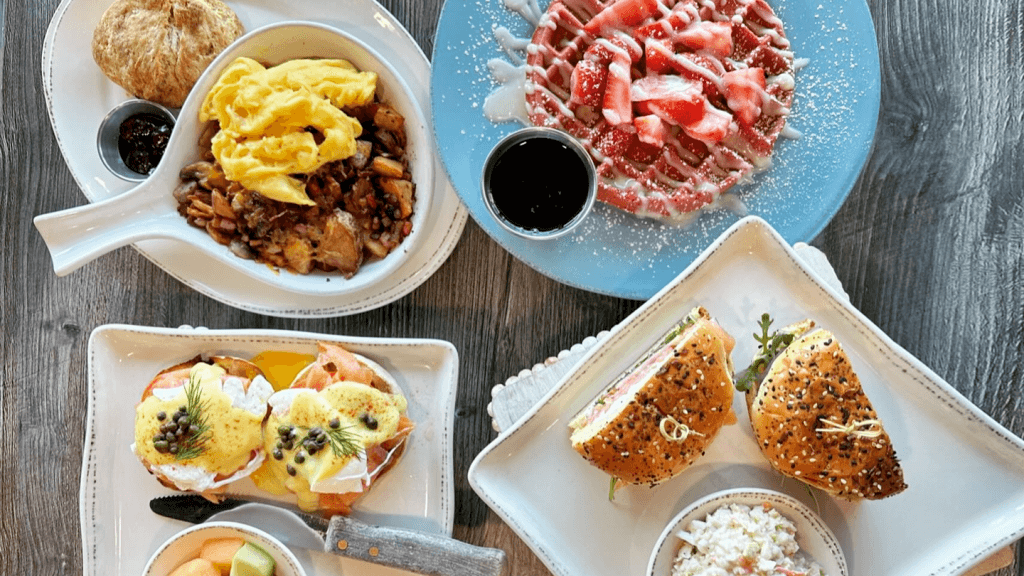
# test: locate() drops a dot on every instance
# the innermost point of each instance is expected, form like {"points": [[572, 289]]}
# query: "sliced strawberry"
{"points": [[600, 51], [768, 58], [678, 19], [744, 92], [743, 41], [659, 30], [617, 107], [760, 14], [682, 14], [698, 68], [603, 50], [587, 84], [712, 128], [658, 54], [612, 141], [621, 14], [713, 38], [674, 99], [651, 130]]}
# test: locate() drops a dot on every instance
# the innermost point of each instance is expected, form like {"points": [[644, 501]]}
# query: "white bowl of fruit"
{"points": [[223, 549]]}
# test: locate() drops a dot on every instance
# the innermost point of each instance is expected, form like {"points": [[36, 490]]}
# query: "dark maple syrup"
{"points": [[539, 184]]}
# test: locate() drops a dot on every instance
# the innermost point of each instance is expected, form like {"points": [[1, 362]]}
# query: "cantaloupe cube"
{"points": [[196, 567], [220, 551]]}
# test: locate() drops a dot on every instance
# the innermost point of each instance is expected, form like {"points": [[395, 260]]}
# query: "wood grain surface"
{"points": [[929, 245]]}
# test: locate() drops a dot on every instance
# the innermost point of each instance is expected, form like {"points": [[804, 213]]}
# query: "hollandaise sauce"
{"points": [[199, 416], [318, 440]]}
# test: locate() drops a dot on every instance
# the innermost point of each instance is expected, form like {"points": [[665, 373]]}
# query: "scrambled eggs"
{"points": [[264, 114]]}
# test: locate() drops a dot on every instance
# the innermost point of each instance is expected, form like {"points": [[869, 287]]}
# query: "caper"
{"points": [[369, 420], [161, 446], [300, 457], [161, 415], [193, 429], [278, 454], [173, 449], [283, 429], [290, 469], [334, 423]]}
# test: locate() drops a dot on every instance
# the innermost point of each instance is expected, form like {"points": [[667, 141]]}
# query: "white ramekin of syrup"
{"points": [[539, 183]]}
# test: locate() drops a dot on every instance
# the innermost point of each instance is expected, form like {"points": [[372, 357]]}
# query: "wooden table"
{"points": [[929, 245]]}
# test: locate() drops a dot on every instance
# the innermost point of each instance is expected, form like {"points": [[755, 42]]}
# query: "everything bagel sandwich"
{"points": [[811, 417], [331, 435], [199, 424], [659, 416]]}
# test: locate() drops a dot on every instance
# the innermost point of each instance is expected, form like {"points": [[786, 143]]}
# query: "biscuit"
{"points": [[157, 49]]}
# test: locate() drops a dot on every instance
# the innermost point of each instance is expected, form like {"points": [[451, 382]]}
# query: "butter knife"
{"points": [[419, 552]]}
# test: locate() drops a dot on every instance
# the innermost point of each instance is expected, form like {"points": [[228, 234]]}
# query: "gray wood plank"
{"points": [[930, 246]]}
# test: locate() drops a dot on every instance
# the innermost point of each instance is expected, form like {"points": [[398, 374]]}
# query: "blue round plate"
{"points": [[614, 253]]}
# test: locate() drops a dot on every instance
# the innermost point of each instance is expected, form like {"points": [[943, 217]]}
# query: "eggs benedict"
{"points": [[340, 425], [198, 426]]}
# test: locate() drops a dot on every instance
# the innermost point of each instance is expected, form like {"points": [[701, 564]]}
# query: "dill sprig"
{"points": [[769, 345], [193, 442], [344, 442]]}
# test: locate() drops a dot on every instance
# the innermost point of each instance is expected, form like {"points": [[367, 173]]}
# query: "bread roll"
{"points": [[157, 49], [660, 416], [813, 421]]}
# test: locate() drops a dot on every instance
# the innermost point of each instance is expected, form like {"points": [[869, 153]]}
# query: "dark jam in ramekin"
{"points": [[142, 140]]}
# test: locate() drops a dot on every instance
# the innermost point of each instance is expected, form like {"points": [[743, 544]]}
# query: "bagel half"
{"points": [[360, 411], [226, 401], [660, 416], [813, 421]]}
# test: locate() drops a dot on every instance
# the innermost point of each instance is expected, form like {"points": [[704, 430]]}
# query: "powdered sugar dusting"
{"points": [[834, 111]]}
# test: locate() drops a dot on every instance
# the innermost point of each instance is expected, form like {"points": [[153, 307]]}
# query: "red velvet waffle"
{"points": [[676, 100]]}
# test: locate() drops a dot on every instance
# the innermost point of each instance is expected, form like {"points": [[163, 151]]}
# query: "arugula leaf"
{"points": [[769, 345]]}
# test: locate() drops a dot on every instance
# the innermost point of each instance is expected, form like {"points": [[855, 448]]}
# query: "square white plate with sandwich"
{"points": [[119, 532], [941, 524]]}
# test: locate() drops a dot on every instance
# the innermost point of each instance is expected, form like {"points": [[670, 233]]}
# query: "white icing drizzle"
{"points": [[508, 102]]}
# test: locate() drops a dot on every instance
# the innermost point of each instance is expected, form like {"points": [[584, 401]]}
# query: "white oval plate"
{"points": [[816, 541], [78, 96]]}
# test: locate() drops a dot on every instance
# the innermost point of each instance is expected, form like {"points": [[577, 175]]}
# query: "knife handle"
{"points": [[419, 552]]}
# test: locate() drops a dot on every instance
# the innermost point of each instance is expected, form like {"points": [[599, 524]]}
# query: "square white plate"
{"points": [[965, 471], [119, 532]]}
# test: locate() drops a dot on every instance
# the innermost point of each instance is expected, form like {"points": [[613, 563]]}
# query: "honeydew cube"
{"points": [[196, 567], [251, 560], [220, 551]]}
